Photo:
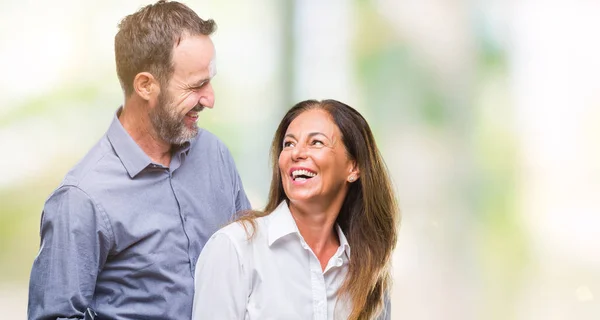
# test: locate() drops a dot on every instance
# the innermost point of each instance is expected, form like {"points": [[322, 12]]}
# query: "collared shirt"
{"points": [[274, 275], [121, 235]]}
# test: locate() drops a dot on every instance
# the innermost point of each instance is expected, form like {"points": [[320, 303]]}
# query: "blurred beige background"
{"points": [[487, 113]]}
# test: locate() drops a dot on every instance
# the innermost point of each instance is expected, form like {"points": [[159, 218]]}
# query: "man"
{"points": [[121, 235]]}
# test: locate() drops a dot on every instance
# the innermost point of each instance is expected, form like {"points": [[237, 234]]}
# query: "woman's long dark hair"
{"points": [[368, 216]]}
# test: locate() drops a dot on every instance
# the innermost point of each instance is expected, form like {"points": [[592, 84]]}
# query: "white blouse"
{"points": [[275, 275]]}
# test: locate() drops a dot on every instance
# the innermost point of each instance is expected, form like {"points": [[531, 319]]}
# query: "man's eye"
{"points": [[199, 86]]}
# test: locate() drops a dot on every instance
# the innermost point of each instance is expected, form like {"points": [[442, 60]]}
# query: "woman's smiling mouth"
{"points": [[302, 174]]}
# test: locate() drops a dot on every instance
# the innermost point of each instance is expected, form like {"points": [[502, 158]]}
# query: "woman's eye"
{"points": [[317, 143], [287, 144]]}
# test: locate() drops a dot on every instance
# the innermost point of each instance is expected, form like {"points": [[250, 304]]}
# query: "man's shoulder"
{"points": [[206, 146], [98, 161], [85, 184], [208, 141], [207, 138], [76, 189]]}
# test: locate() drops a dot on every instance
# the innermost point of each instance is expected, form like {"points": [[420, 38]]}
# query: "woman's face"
{"points": [[314, 163]]}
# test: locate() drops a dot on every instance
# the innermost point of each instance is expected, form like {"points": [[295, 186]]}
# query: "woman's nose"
{"points": [[299, 152]]}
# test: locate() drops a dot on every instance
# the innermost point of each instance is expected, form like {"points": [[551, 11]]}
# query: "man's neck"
{"points": [[136, 121]]}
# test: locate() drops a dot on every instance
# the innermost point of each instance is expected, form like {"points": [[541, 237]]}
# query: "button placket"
{"points": [[319, 293], [183, 217]]}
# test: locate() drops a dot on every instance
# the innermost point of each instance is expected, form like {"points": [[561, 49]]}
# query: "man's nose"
{"points": [[207, 98]]}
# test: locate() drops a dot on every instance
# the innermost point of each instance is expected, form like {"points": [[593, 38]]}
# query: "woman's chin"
{"points": [[304, 198]]}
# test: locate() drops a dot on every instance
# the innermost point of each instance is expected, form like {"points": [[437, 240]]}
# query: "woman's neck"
{"points": [[317, 227]]}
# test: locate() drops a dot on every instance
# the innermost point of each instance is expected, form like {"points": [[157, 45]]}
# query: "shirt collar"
{"points": [[343, 241], [134, 159], [282, 223]]}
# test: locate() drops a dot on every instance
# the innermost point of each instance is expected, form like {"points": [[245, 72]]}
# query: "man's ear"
{"points": [[145, 85]]}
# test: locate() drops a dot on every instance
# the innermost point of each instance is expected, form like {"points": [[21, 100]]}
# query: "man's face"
{"points": [[188, 92]]}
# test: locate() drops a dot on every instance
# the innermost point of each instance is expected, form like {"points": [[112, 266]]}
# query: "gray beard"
{"points": [[169, 125]]}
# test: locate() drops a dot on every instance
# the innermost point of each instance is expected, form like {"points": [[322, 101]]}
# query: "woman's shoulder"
{"points": [[243, 231]]}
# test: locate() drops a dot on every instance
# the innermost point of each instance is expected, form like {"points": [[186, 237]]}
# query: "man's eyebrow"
{"points": [[199, 83]]}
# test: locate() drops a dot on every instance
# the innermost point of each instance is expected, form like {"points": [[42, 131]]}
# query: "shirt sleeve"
{"points": [[386, 314], [241, 200], [221, 283], [74, 246]]}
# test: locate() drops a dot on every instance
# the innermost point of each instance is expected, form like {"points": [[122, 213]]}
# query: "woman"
{"points": [[322, 247]]}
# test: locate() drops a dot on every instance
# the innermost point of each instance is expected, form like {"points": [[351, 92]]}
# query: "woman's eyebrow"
{"points": [[312, 134]]}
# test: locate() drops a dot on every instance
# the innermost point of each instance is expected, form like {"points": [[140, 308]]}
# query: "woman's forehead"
{"points": [[313, 120]]}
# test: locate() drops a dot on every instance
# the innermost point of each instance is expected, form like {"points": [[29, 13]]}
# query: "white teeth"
{"points": [[307, 173]]}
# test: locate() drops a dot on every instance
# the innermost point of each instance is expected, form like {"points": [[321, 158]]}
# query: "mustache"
{"points": [[198, 108]]}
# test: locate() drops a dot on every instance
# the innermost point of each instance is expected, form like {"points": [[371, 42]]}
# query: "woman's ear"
{"points": [[354, 173]]}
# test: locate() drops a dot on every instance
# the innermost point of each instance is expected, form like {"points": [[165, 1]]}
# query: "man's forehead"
{"points": [[194, 49], [195, 64], [212, 67]]}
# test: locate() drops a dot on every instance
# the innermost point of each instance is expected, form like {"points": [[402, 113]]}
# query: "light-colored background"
{"points": [[487, 113]]}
